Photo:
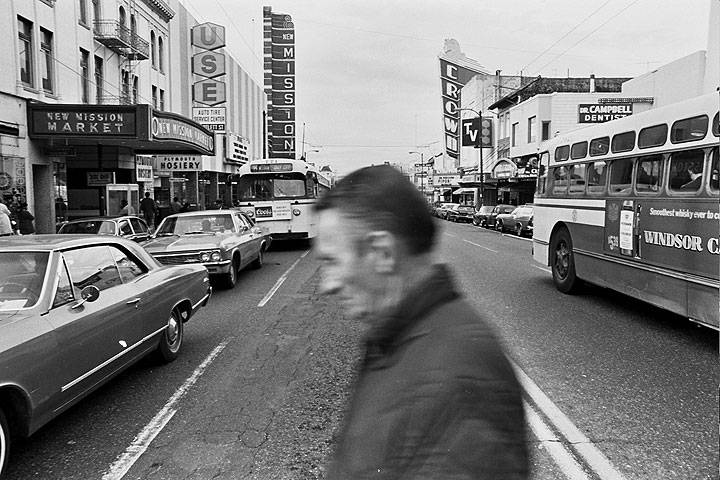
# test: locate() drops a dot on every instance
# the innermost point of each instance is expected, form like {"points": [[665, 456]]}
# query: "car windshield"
{"points": [[21, 279], [486, 209], [465, 208], [195, 225], [93, 227]]}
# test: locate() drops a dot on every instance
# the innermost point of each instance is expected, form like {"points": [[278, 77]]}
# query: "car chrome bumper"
{"points": [[218, 268]]}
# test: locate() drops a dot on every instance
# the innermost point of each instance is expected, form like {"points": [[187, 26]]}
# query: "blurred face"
{"points": [[345, 271]]}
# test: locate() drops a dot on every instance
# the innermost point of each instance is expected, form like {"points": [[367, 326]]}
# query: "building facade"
{"points": [[90, 92]]}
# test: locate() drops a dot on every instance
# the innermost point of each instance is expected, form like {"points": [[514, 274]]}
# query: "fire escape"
{"points": [[129, 47]]}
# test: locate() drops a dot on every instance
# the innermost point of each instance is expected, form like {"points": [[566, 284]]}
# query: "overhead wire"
{"points": [[565, 35], [590, 33]]}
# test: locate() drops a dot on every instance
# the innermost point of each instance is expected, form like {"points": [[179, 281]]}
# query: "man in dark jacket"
{"points": [[435, 396]]}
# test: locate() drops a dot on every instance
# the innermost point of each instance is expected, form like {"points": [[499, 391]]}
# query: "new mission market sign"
{"points": [[146, 128]]}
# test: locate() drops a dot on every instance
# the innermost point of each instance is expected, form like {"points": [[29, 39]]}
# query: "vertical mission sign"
{"points": [[279, 42]]}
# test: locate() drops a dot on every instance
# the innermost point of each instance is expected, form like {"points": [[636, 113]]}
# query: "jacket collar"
{"points": [[396, 327]]}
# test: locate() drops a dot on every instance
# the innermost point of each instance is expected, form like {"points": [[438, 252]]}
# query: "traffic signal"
{"points": [[486, 132]]}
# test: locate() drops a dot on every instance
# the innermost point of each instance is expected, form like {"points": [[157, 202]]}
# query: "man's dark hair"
{"points": [[383, 199]]}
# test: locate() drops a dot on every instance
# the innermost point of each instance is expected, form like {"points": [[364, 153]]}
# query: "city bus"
{"points": [[632, 205], [280, 194]]}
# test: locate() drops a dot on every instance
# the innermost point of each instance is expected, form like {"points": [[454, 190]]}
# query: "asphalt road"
{"points": [[262, 380]]}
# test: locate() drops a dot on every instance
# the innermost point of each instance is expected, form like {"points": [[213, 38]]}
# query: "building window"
{"points": [[135, 89], [513, 134], [46, 65], [85, 75], [160, 55], [97, 13], [154, 97], [546, 130], [153, 49], [125, 82], [162, 99], [532, 129], [122, 16], [83, 12], [26, 51], [99, 79]]}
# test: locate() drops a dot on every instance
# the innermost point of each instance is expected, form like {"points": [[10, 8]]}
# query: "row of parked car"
{"points": [[503, 217], [76, 310]]}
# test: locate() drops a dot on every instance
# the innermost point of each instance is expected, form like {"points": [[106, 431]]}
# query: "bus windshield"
{"points": [[274, 186]]}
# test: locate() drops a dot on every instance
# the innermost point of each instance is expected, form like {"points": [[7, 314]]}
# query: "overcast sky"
{"points": [[367, 71]]}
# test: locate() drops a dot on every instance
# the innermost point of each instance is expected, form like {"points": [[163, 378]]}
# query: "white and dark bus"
{"points": [[632, 205], [280, 194]]}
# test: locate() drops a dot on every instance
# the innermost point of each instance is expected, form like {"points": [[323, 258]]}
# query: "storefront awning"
{"points": [[460, 191], [138, 127]]}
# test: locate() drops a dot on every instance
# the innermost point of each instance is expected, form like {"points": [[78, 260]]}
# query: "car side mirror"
{"points": [[90, 293], [87, 294]]}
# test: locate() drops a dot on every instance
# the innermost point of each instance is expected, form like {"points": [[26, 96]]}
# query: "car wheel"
{"points": [[172, 338], [562, 262], [258, 263], [231, 276], [518, 230], [483, 223], [475, 222], [499, 226], [4, 442]]}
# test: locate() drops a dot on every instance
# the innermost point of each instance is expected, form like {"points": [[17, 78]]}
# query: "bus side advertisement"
{"points": [[678, 235]]}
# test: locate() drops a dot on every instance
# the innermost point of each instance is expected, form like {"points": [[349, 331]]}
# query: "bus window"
{"points": [[689, 129], [578, 150], [621, 176], [686, 170], [599, 146], [562, 153], [649, 174], [654, 136], [623, 142], [542, 172], [715, 171], [597, 177], [716, 125], [577, 179], [559, 180]]}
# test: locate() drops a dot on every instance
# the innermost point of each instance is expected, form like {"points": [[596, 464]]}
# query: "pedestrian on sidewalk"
{"points": [[5, 224], [435, 396], [25, 220], [148, 209]]}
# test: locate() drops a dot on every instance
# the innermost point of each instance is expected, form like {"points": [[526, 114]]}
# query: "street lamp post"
{"points": [[422, 174], [478, 144]]}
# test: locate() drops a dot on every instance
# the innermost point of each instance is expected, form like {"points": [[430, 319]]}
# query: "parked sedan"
{"points": [[497, 210], [127, 226], [443, 209], [224, 241], [519, 221], [74, 312], [461, 213], [481, 215]]}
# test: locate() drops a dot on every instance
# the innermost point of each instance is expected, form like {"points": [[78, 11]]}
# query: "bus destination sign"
{"points": [[271, 167]]}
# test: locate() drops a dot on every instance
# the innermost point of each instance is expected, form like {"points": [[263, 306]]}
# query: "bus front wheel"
{"points": [[562, 262]]}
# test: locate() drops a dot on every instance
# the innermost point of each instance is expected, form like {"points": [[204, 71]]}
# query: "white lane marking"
{"points": [[142, 441], [481, 246], [582, 445], [562, 457], [544, 269], [280, 281], [451, 235]]}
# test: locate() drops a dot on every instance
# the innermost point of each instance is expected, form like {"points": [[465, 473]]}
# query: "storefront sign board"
{"points": [[97, 179], [178, 163]]}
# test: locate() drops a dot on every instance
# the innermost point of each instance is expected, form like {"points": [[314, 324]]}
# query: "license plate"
{"points": [[263, 212]]}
